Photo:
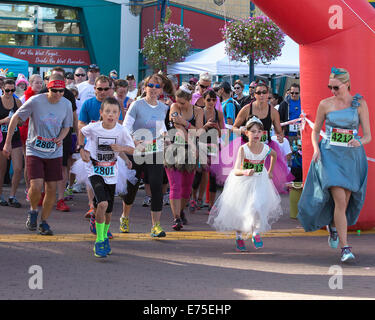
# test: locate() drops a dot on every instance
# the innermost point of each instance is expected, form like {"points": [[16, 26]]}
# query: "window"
{"points": [[10, 39], [34, 25], [60, 41]]}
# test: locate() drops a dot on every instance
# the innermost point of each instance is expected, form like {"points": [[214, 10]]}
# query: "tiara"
{"points": [[252, 120], [185, 89]]}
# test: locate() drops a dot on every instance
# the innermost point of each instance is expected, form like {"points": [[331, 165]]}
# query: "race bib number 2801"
{"points": [[105, 169]]}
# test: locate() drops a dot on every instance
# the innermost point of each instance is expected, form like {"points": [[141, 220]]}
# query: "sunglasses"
{"points": [[336, 88], [10, 90], [237, 88], [204, 87], [80, 75], [103, 89], [261, 92], [151, 85], [57, 90], [294, 93], [210, 99]]}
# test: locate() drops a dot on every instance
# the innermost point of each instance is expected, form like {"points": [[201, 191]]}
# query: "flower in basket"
{"points": [[258, 38], [168, 43]]}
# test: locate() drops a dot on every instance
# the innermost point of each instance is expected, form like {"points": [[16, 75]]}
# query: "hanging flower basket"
{"points": [[256, 37], [168, 43]]}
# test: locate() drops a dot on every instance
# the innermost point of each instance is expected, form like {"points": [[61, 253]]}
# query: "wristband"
{"points": [[188, 126], [80, 147]]}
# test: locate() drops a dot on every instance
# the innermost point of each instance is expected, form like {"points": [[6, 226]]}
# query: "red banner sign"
{"points": [[50, 56]]}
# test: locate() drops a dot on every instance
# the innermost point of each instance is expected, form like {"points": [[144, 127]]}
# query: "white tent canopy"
{"points": [[215, 61]]}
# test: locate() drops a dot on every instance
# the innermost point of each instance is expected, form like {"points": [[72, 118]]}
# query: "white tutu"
{"points": [[124, 175], [246, 204]]}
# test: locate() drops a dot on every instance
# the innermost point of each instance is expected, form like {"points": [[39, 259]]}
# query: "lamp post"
{"points": [[251, 61], [162, 4]]}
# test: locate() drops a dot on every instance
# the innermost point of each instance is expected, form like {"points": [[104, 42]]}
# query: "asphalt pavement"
{"points": [[195, 264]]}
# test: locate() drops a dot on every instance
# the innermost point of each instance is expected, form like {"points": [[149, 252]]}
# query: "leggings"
{"points": [[180, 183], [154, 173], [198, 178]]}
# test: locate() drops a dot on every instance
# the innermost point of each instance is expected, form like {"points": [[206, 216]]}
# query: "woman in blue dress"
{"points": [[335, 185]]}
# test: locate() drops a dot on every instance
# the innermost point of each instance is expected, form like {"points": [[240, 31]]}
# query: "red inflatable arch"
{"points": [[332, 33]]}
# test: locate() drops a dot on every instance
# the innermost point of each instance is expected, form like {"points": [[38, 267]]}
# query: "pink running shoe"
{"points": [[240, 245], [257, 241]]}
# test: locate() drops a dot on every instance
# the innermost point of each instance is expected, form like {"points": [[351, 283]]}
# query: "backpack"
{"points": [[237, 108]]}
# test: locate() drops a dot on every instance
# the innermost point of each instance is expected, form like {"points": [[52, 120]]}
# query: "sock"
{"points": [[105, 231], [238, 235], [99, 232]]}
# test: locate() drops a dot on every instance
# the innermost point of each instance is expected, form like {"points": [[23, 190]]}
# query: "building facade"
{"points": [[67, 33]]}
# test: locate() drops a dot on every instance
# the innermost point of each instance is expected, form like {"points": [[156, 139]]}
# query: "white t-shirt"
{"points": [[285, 146], [98, 144], [85, 91], [132, 94]]}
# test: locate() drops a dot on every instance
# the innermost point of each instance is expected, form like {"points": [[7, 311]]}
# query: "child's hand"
{"points": [[129, 164], [249, 172], [270, 175], [85, 155]]}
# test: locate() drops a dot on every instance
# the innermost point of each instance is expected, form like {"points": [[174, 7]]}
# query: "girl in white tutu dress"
{"points": [[249, 203]]}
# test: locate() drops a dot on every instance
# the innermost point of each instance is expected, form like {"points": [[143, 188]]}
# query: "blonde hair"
{"points": [[205, 76]]}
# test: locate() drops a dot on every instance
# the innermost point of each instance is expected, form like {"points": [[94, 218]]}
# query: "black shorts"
{"points": [[67, 149], [103, 192]]}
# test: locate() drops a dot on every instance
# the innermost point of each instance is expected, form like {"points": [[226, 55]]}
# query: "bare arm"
{"points": [[319, 120], [273, 156], [11, 127], [240, 119], [276, 123], [364, 120]]}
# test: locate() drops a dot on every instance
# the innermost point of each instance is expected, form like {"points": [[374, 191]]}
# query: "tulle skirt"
{"points": [[222, 165], [246, 204], [124, 175]]}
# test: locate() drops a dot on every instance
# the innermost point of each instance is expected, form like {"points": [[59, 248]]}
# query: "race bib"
{"points": [[341, 137], [151, 147], [105, 169], [45, 144], [294, 127], [257, 165], [264, 137], [4, 128], [178, 139], [212, 149]]}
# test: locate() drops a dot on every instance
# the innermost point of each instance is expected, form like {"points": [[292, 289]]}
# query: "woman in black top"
{"points": [[212, 123], [269, 116], [8, 106], [180, 158]]}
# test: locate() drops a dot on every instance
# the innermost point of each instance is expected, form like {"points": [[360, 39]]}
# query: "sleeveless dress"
{"points": [[247, 203], [339, 166], [281, 173]]}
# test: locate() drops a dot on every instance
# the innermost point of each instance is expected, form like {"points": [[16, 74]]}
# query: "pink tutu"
{"points": [[281, 173], [223, 164]]}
